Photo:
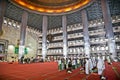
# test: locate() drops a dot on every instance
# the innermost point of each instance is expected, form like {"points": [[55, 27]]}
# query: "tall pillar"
{"points": [[108, 27], [65, 43], [2, 11], [85, 33], [44, 35], [22, 34]]}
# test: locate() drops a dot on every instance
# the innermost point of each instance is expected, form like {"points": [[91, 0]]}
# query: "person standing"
{"points": [[87, 66], [59, 64], [101, 67], [73, 63], [78, 62], [91, 65]]}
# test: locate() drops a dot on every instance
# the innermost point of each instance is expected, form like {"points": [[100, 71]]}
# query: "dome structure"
{"points": [[52, 7]]}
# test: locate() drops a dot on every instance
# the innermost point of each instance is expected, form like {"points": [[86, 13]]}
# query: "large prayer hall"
{"points": [[59, 39]]}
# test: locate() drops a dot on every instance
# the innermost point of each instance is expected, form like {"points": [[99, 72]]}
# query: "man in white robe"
{"points": [[94, 61], [87, 66], [100, 66]]}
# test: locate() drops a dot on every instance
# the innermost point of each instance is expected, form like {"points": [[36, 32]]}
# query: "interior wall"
{"points": [[12, 34]]}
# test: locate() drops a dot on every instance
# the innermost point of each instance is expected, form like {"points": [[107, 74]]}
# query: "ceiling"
{"points": [[51, 7], [35, 20]]}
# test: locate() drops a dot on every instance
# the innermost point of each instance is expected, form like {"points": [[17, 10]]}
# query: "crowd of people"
{"points": [[93, 64], [28, 60]]}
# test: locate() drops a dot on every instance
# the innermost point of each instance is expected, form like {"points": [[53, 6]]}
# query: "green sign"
{"points": [[25, 51], [17, 50]]}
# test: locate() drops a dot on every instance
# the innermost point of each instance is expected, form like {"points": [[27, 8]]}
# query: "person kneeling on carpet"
{"points": [[69, 70]]}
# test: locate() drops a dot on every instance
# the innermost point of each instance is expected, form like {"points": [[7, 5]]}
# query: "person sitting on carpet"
{"points": [[109, 60]]}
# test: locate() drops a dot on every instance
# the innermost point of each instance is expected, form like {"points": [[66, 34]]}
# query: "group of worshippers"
{"points": [[25, 60], [95, 65], [88, 64], [68, 64]]}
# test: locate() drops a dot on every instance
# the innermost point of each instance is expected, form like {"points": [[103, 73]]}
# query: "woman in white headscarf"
{"points": [[100, 66]]}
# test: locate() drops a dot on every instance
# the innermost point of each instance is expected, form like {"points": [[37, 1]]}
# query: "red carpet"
{"points": [[49, 71]]}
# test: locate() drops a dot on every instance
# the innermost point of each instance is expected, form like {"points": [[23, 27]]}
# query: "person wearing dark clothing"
{"points": [[28, 60], [21, 60], [69, 70]]}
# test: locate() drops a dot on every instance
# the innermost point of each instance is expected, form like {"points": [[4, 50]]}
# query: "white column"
{"points": [[109, 28], [85, 34], [44, 35], [65, 43], [22, 34]]}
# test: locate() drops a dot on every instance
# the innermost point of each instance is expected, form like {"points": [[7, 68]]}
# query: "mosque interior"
{"points": [[54, 28]]}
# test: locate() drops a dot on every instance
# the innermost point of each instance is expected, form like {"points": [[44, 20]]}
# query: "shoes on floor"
{"points": [[103, 78], [69, 72]]}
